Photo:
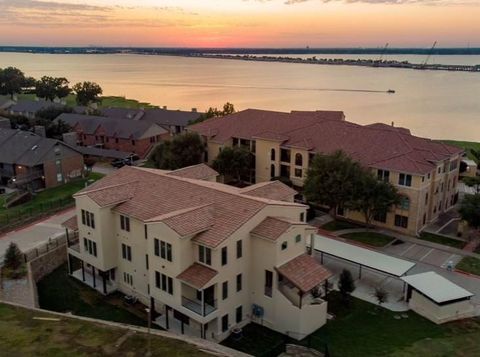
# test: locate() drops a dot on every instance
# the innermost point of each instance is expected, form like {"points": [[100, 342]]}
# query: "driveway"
{"points": [[36, 234]]}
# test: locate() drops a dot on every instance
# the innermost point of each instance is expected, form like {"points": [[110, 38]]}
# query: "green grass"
{"points": [[364, 329], [338, 225], [371, 238], [466, 145], [22, 334], [61, 293], [469, 265], [434, 238], [47, 199]]}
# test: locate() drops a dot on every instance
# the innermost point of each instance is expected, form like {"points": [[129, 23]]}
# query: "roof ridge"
{"points": [[177, 212], [85, 191]]}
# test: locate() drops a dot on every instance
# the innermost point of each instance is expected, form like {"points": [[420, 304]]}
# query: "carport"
{"points": [[364, 258]]}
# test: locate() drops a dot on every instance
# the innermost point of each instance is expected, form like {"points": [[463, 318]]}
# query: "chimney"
{"points": [[393, 123], [70, 138], [194, 110], [164, 107]]}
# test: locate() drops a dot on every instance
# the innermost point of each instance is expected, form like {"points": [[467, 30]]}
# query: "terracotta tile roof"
{"points": [[273, 227], [71, 223], [274, 190], [377, 145], [304, 272], [197, 275], [153, 195], [199, 172]]}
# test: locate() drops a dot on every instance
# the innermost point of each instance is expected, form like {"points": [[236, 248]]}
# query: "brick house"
{"points": [[115, 134], [33, 162]]}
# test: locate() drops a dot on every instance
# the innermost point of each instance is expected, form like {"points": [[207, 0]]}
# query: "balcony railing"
{"points": [[196, 306]]}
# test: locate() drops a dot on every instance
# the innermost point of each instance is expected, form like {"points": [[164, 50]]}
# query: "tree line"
{"points": [[13, 81]]}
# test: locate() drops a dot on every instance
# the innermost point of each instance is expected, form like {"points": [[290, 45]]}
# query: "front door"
{"points": [[208, 296]]}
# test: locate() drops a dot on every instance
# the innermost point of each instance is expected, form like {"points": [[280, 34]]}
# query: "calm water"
{"points": [[434, 104]]}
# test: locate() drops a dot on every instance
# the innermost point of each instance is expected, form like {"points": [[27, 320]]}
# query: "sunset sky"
{"points": [[240, 23]]}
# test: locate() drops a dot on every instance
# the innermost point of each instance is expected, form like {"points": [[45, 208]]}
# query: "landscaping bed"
{"points": [[370, 238], [469, 265], [61, 293], [435, 238], [338, 225], [28, 333]]}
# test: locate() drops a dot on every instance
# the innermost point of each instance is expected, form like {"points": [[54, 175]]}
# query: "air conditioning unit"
{"points": [[257, 310]]}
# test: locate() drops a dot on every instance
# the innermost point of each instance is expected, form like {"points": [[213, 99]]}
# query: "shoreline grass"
{"points": [[370, 238]]}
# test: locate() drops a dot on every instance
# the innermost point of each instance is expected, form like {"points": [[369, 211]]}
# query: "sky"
{"points": [[240, 23]]}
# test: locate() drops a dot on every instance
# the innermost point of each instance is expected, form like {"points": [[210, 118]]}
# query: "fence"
{"points": [[44, 248], [15, 217]]}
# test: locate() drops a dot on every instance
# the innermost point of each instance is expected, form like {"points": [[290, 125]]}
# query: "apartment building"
{"points": [[205, 257], [424, 171]]}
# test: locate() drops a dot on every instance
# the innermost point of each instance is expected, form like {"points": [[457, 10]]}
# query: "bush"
{"points": [[346, 285], [13, 257]]}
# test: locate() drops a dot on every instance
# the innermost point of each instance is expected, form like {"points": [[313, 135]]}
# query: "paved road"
{"points": [[36, 234]]}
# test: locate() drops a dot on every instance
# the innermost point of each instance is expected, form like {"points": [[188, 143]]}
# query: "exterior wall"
{"points": [[69, 166], [440, 314]]}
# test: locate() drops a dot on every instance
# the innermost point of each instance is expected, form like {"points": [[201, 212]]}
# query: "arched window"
{"points": [[272, 155], [272, 171], [299, 159], [404, 203]]}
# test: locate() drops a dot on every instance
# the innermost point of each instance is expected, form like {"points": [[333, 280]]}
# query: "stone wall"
{"points": [[48, 262]]}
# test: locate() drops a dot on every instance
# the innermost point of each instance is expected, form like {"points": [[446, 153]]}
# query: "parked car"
{"points": [[118, 163]]}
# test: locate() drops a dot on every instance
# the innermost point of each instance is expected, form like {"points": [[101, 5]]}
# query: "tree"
{"points": [[52, 112], [381, 295], [13, 257], [346, 285], [473, 182], [184, 150], [228, 108], [50, 88], [12, 80], [87, 92], [372, 197], [332, 180], [233, 162], [470, 210], [56, 129]]}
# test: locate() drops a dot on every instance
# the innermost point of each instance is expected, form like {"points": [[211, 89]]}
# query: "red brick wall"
{"points": [[72, 165]]}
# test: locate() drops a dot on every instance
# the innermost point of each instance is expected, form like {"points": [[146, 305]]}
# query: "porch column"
{"points": [[93, 274], [203, 302], [83, 270], [104, 283], [166, 317]]}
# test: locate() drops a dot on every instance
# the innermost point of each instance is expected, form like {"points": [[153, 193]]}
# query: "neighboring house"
{"points": [[6, 102], [29, 108], [206, 257], [34, 162], [115, 134], [424, 171], [175, 121], [468, 168]]}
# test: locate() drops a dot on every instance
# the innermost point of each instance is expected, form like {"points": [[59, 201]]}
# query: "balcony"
{"points": [[196, 306]]}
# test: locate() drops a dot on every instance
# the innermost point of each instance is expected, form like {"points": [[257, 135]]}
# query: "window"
{"points": [[298, 238], [59, 177], [285, 171], [133, 142], [164, 282], [205, 255], [429, 175], [90, 246], [298, 172], [125, 223], [268, 283], [224, 256], [127, 278], [401, 221], [302, 217], [235, 141], [380, 217], [156, 246], [404, 203], [88, 219], [426, 198], [272, 154], [405, 180], [146, 262], [299, 159], [146, 231], [453, 165], [239, 249], [225, 323], [272, 170], [383, 175], [424, 219], [225, 290], [239, 282], [284, 245], [116, 140], [126, 252], [239, 314], [285, 155], [254, 146]]}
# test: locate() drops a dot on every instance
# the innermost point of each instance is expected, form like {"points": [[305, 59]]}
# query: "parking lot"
{"points": [[420, 253]]}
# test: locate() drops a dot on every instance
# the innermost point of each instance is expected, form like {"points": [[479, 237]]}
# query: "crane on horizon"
{"points": [[429, 54], [383, 52]]}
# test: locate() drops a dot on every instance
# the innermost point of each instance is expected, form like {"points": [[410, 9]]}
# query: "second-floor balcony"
{"points": [[202, 309]]}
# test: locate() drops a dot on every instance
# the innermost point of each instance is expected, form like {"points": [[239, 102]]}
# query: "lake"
{"points": [[435, 104]]}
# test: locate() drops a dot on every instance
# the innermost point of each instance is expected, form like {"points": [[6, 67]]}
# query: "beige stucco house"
{"points": [[424, 171], [205, 257]]}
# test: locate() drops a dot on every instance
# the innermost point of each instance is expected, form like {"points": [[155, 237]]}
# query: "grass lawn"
{"points": [[22, 335], [466, 145], [434, 238], [371, 238], [364, 329], [338, 225], [61, 293], [47, 199], [469, 265]]}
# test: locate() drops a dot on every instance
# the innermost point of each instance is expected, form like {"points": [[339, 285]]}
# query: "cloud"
{"points": [[387, 2]]}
